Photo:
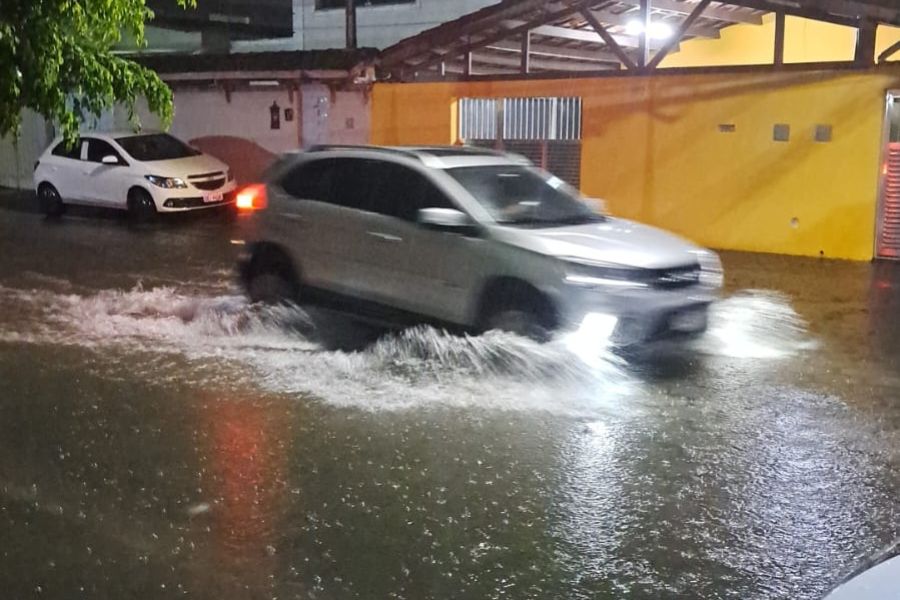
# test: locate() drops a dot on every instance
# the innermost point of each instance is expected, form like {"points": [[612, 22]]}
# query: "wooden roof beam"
{"points": [[545, 17], [611, 42], [545, 64], [889, 52], [714, 12], [795, 9], [607, 17], [559, 52], [679, 33], [585, 35]]}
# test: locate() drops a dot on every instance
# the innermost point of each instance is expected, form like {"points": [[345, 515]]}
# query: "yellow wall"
{"points": [[804, 41], [653, 150]]}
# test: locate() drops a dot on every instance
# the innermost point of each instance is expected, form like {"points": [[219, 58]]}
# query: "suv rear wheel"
{"points": [[271, 279]]}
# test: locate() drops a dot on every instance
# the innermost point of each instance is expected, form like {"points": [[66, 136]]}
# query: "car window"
{"points": [[339, 181], [398, 191], [365, 184], [351, 185], [524, 196], [97, 149], [73, 152], [310, 180], [156, 146]]}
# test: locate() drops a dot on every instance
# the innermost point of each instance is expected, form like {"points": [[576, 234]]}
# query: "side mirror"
{"points": [[109, 159], [446, 219]]}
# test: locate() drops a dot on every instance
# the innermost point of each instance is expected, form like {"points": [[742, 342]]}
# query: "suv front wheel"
{"points": [[520, 309]]}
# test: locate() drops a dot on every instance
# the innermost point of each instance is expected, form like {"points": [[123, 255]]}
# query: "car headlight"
{"points": [[595, 275], [229, 175], [711, 273], [166, 182]]}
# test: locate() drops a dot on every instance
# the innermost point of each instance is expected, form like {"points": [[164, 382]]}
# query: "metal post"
{"points": [[467, 68], [865, 43], [526, 52], [779, 38], [351, 24], [644, 48]]}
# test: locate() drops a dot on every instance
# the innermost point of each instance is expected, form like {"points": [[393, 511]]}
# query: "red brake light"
{"points": [[252, 197]]}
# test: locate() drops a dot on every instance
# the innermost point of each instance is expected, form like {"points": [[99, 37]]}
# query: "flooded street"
{"points": [[161, 438]]}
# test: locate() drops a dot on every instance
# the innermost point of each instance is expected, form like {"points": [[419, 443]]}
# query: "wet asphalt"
{"points": [[160, 439]]}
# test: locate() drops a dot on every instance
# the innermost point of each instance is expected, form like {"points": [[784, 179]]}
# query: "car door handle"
{"points": [[385, 237]]}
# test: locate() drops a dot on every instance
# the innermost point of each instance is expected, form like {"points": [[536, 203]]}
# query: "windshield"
{"points": [[156, 146], [524, 196]]}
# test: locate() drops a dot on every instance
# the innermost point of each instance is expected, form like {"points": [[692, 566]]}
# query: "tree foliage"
{"points": [[56, 59]]}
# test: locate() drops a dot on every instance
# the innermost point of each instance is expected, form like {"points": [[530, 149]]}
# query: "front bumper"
{"points": [[181, 200], [642, 315]]}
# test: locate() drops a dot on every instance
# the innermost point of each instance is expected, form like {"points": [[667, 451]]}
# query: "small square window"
{"points": [[781, 132], [823, 133]]}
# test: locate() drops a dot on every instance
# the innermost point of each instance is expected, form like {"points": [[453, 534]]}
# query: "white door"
{"points": [[105, 184], [410, 266], [314, 222], [64, 170]]}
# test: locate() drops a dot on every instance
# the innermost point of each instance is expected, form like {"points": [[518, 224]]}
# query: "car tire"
{"points": [[50, 202], [141, 207], [270, 287]]}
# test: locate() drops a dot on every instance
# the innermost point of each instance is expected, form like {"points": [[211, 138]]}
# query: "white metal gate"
{"points": [[545, 129], [887, 244]]}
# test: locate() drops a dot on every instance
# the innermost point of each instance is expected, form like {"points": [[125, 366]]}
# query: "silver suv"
{"points": [[466, 238]]}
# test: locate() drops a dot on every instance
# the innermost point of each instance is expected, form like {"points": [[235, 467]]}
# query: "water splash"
{"points": [[297, 352], [290, 350], [755, 324]]}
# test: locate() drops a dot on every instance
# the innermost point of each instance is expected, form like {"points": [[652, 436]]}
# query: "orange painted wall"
{"points": [[653, 150]]}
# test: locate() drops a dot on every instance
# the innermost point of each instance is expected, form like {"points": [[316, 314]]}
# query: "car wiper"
{"points": [[573, 220]]}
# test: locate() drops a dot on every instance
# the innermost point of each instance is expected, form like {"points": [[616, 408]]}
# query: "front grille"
{"points": [[676, 277], [212, 184], [183, 202]]}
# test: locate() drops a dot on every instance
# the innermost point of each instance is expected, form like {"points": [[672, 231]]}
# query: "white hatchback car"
{"points": [[143, 173]]}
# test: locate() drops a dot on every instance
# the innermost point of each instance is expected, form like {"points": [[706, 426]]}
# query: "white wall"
{"points": [[321, 116], [348, 122], [17, 156], [200, 113], [334, 118], [377, 26]]}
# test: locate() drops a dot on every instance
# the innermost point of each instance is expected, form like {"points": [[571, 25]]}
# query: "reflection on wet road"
{"points": [[159, 438]]}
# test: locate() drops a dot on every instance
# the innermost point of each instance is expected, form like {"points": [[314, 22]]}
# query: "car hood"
{"points": [[615, 241], [184, 167]]}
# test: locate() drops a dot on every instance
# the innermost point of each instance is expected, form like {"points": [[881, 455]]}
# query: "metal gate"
{"points": [[888, 226], [547, 130]]}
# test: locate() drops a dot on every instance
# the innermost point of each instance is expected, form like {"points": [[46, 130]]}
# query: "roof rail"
{"points": [[365, 147]]}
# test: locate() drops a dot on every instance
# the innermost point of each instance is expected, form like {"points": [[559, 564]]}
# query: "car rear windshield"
{"points": [[524, 196], [155, 146]]}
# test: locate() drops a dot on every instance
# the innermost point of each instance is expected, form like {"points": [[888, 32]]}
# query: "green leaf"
{"points": [[56, 59]]}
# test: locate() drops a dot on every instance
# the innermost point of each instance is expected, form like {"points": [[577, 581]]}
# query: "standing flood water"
{"points": [[160, 437]]}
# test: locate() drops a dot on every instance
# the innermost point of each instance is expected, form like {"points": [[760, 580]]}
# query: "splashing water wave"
{"points": [[294, 351]]}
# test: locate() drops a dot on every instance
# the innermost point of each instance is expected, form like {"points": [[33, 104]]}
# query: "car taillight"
{"points": [[36, 163], [252, 197]]}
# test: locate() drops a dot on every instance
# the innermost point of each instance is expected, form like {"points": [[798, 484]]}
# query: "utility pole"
{"points": [[351, 24]]}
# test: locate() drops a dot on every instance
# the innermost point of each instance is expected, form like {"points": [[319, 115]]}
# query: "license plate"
{"points": [[214, 197], [689, 320]]}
